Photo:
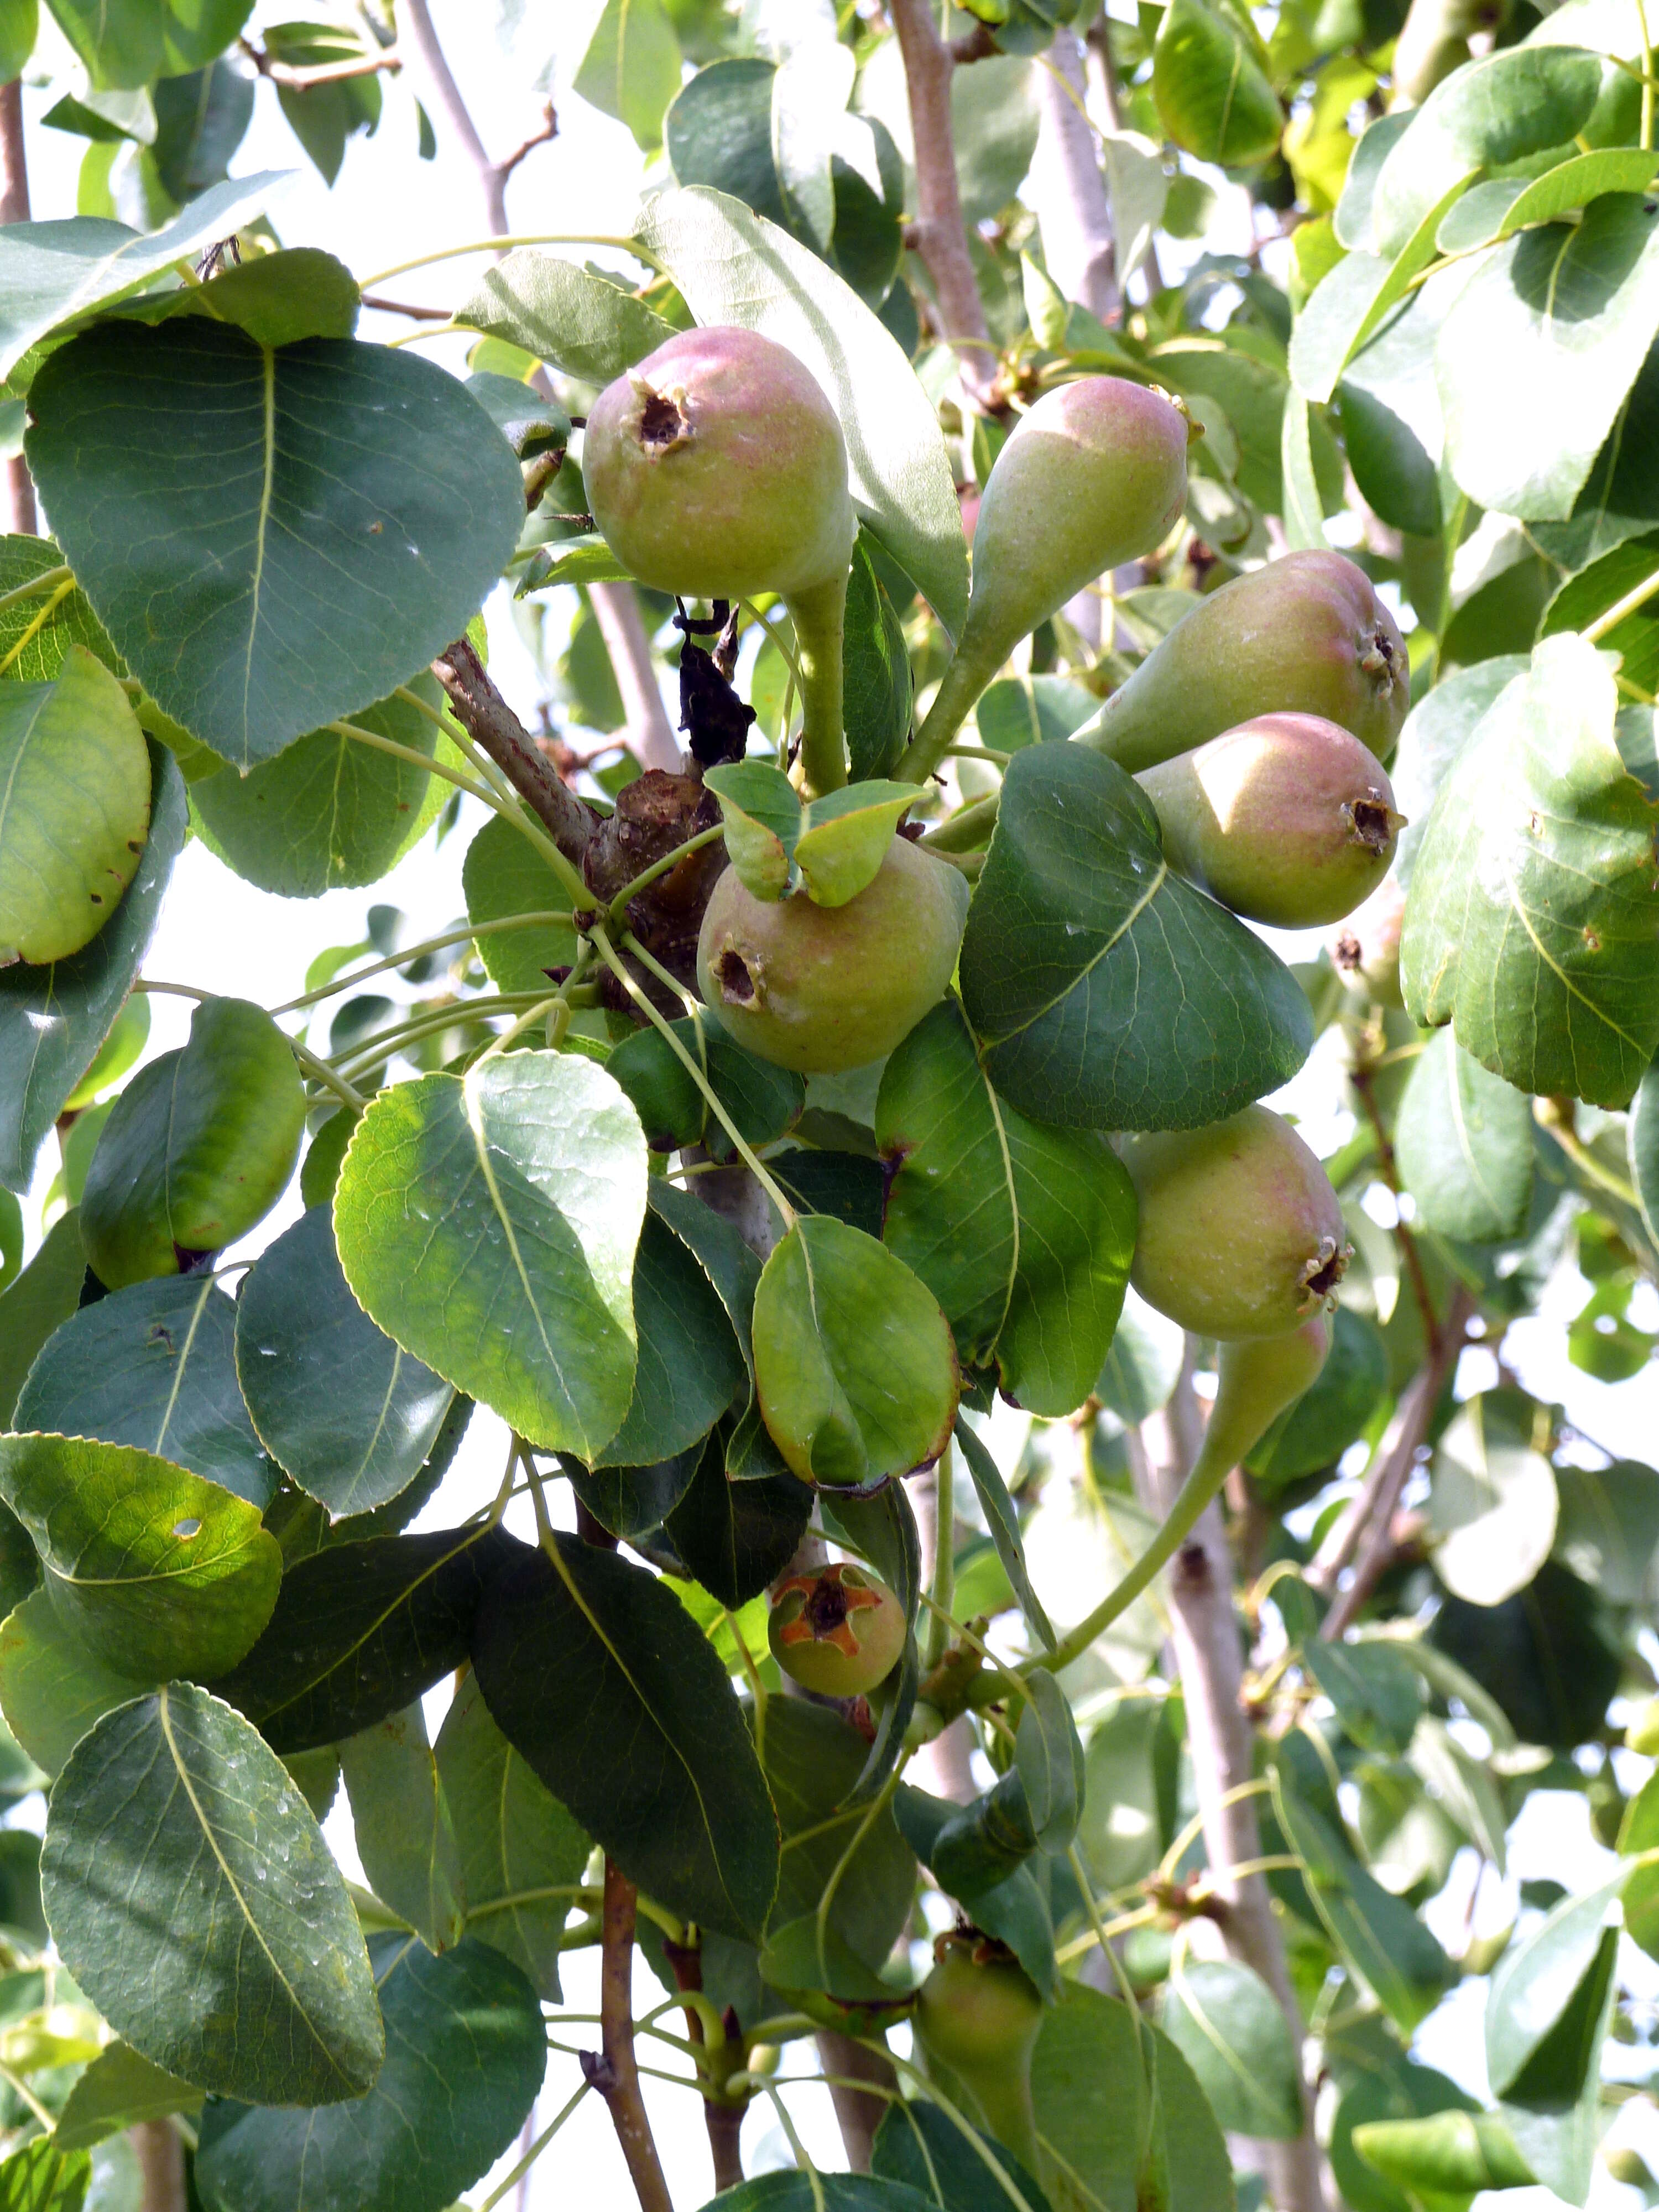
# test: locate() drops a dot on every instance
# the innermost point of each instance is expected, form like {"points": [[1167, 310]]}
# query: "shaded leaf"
{"points": [[1002, 1519], [1227, 2025], [52, 1688], [587, 326], [503, 875], [737, 1536], [119, 2089], [1214, 97], [405, 1838], [1463, 1140], [690, 1367], [813, 1760], [919, 2145]]}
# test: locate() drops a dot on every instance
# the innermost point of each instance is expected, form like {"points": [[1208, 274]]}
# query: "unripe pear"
{"points": [[1306, 634], [838, 1630], [716, 469], [1093, 476], [1240, 1235], [979, 2015], [1367, 947], [821, 989], [1286, 819]]}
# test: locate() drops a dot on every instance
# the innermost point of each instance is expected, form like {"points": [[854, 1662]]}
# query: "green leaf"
{"points": [[328, 812], [1532, 917], [252, 601], [155, 1569], [199, 1146], [522, 1854], [1353, 219], [276, 298], [814, 1761], [36, 633], [341, 1408], [762, 815], [1030, 710], [41, 2178], [487, 1223], [1566, 314], [583, 559], [1642, 1142], [589, 327], [1535, 1984], [1375, 1692], [734, 267], [876, 682], [1003, 1522], [1444, 2155], [631, 66], [844, 837], [154, 1365], [1351, 303], [1639, 1834], [1106, 993], [1090, 2092], [405, 1838], [1495, 211], [54, 1019], [359, 1629], [690, 1367], [853, 1361], [1386, 1948], [1022, 1233], [192, 1897], [1464, 1143], [122, 1050], [1214, 98], [737, 1536], [119, 2089], [503, 875], [1226, 2023], [1596, 590], [52, 1688], [603, 1682], [465, 2051], [1435, 733], [52, 272], [1335, 1410], [792, 2190], [75, 810], [762, 1100], [32, 1307], [1497, 109], [1547, 1656], [919, 2145]]}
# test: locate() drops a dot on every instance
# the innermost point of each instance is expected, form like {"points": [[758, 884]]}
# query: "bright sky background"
{"points": [[221, 935]]}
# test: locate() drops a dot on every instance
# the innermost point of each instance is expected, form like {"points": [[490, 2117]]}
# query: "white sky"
{"points": [[220, 934]]}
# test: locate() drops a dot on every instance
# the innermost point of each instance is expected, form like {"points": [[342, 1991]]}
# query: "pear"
{"points": [[821, 988], [1286, 819], [1094, 475], [716, 469], [978, 2015], [1367, 947], [838, 1630], [1306, 634], [1240, 1235]]}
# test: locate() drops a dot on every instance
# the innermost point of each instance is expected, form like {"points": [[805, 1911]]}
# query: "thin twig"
{"points": [[613, 2071], [306, 76]]}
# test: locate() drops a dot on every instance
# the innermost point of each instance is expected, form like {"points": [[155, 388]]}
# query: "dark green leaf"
{"points": [[1106, 992], [201, 118], [1030, 710], [1464, 1142], [792, 2190], [194, 1899], [632, 1501], [1552, 2104], [54, 1019], [156, 1571], [1608, 1527], [154, 1365], [521, 1853], [1397, 2090], [252, 602], [814, 1761], [690, 1367], [599, 1677], [918, 2144], [30, 1308], [198, 1147], [303, 1528], [359, 1629], [503, 875], [1376, 1694], [1003, 1521], [466, 2051], [1547, 1656], [762, 1100], [875, 674], [405, 1838], [733, 267], [1532, 917], [342, 1408], [468, 1228], [737, 1536], [1333, 1411], [1227, 2025], [589, 327], [1022, 1233]]}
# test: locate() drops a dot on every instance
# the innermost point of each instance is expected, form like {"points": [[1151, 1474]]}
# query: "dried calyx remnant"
{"points": [[664, 422]]}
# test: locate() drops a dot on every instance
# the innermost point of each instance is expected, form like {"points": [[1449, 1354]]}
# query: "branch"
{"points": [[306, 76], [1367, 1528], [1209, 1660], [651, 738], [160, 2158], [492, 725], [612, 2070], [938, 233], [1068, 190], [722, 2119], [15, 208], [492, 175]]}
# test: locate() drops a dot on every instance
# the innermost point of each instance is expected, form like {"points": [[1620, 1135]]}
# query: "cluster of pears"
{"points": [[1258, 728]]}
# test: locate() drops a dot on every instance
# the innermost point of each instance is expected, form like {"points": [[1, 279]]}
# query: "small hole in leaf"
{"points": [[187, 1527]]}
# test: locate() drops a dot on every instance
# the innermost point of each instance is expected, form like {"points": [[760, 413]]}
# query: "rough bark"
{"points": [[1209, 1657]]}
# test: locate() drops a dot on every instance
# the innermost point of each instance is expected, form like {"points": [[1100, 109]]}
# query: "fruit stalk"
{"points": [[819, 615], [1257, 1379]]}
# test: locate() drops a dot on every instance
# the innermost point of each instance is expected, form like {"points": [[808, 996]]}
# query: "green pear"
{"points": [[1286, 819], [1240, 1235], [838, 1630], [978, 2016], [821, 989], [716, 469], [1306, 634], [1094, 475], [1367, 947]]}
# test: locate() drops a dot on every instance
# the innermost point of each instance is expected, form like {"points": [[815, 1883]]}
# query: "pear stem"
{"points": [[958, 694], [819, 615]]}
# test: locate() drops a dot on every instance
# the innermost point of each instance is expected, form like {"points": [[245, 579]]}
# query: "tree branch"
{"points": [[160, 2165], [938, 233], [1209, 1660], [611, 2070], [492, 175], [306, 76], [23, 518], [1069, 190], [492, 725]]}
